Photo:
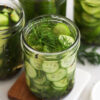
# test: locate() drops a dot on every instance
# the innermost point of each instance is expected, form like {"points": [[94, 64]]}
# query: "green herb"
{"points": [[91, 56], [43, 36]]}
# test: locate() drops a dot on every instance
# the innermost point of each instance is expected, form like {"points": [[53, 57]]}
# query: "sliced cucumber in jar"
{"points": [[30, 70], [14, 16], [6, 10], [71, 68], [61, 83], [60, 74], [3, 28], [28, 81], [97, 15], [41, 87], [89, 9], [88, 18], [50, 66], [93, 2], [67, 61], [36, 62], [40, 79], [66, 41], [59, 88], [4, 20], [61, 28], [34, 90]]}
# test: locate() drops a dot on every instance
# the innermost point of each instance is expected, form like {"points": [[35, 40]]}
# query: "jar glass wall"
{"points": [[11, 23], [34, 8], [87, 18], [57, 82]]}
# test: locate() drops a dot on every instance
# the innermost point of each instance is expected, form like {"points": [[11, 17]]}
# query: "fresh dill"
{"points": [[92, 56]]}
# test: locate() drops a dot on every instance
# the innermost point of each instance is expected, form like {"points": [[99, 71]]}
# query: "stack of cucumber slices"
{"points": [[47, 77], [88, 19], [50, 78], [8, 17]]}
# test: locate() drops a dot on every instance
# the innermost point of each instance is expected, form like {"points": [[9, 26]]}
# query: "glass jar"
{"points": [[57, 82], [87, 18], [35, 8], [10, 50]]}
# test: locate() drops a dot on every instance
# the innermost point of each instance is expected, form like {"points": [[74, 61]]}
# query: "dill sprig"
{"points": [[92, 56]]}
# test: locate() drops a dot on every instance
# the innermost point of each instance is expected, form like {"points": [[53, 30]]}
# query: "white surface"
{"points": [[5, 86], [81, 80], [95, 93]]}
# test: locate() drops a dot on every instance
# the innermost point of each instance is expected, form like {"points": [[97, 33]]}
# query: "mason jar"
{"points": [[87, 18], [11, 23], [35, 8], [50, 76]]}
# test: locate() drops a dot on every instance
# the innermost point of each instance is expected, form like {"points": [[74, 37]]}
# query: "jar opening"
{"points": [[52, 18], [18, 9]]}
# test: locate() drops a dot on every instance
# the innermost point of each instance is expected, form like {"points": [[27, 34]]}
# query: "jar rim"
{"points": [[77, 40], [18, 5]]}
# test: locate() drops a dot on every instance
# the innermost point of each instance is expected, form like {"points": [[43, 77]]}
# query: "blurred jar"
{"points": [[35, 8], [87, 18], [50, 76], [12, 21]]}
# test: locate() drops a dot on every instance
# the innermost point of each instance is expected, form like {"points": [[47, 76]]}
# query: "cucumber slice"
{"points": [[61, 83], [6, 10], [50, 66], [88, 18], [93, 2], [4, 20], [14, 16], [66, 41], [28, 81], [40, 79], [4, 28], [59, 88], [34, 90], [61, 73], [89, 9], [36, 62], [41, 87], [61, 28], [30, 70], [67, 61], [97, 15], [71, 68]]}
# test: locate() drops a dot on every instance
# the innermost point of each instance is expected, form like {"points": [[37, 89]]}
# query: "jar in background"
{"points": [[50, 76], [12, 21], [87, 18], [34, 8]]}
